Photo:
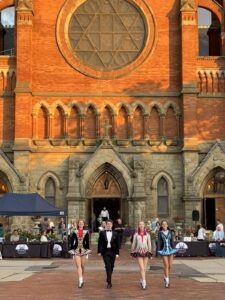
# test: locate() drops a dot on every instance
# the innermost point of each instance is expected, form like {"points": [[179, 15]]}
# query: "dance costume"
{"points": [[165, 243], [80, 242], [141, 246]]}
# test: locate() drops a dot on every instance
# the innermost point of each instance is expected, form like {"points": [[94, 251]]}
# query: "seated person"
{"points": [[218, 234], [15, 236], [201, 233], [43, 236]]}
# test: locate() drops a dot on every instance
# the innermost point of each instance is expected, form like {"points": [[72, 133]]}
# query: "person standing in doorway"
{"points": [[166, 249], [104, 214], [108, 247], [142, 250], [80, 249]]}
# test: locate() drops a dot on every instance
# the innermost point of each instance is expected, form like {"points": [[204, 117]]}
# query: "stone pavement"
{"points": [[198, 278]]}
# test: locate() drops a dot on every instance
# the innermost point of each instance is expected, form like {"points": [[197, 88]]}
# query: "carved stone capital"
{"points": [[24, 5], [188, 5]]}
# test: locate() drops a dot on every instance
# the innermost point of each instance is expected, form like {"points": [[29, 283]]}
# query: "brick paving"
{"points": [[59, 281]]}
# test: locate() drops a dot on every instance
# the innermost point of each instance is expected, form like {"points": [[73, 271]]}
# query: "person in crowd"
{"points": [[149, 226], [43, 238], [71, 227], [218, 234], [45, 224], [1, 230], [218, 222], [15, 236], [102, 227], [62, 228], [142, 250], [201, 233], [80, 249], [119, 229], [166, 249], [51, 225], [108, 247], [156, 231], [153, 225], [104, 214]]}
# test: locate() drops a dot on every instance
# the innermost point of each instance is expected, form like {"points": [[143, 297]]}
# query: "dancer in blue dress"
{"points": [[166, 249]]}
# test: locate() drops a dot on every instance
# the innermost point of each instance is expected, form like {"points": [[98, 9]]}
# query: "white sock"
{"points": [[144, 283], [167, 279], [80, 279]]}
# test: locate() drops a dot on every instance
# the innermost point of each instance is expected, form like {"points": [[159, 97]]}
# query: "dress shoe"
{"points": [[81, 284], [109, 285]]}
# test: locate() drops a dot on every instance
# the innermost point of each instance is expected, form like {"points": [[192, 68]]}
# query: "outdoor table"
{"points": [[33, 249], [27, 250], [195, 248], [217, 248]]}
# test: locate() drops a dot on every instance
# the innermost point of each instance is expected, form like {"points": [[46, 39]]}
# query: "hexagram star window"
{"points": [[107, 34]]}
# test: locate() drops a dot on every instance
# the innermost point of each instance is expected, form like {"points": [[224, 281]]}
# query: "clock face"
{"points": [[107, 34]]}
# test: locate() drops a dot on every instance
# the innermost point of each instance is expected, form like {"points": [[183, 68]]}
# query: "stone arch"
{"points": [[43, 179], [78, 106], [139, 104], [114, 172], [6, 3], [168, 178], [212, 6], [40, 104], [157, 106], [172, 105], [60, 105], [91, 105], [126, 107]]}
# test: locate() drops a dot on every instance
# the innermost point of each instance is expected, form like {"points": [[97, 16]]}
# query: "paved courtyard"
{"points": [[198, 278]]}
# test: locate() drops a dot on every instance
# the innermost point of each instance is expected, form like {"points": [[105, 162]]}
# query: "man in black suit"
{"points": [[108, 247]]}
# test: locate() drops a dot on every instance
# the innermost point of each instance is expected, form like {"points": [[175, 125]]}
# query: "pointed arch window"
{"points": [[154, 125], [162, 197], [42, 121], [90, 124], [58, 124], [122, 124], [50, 191], [170, 124], [106, 118], [7, 31], [74, 124], [138, 124]]}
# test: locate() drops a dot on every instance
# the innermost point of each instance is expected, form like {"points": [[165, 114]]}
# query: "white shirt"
{"points": [[104, 214], [43, 238], [109, 237], [201, 234]]}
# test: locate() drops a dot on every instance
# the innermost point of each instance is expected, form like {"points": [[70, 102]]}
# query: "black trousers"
{"points": [[109, 260]]}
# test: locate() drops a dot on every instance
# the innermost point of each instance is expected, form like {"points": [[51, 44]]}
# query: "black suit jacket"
{"points": [[102, 243]]}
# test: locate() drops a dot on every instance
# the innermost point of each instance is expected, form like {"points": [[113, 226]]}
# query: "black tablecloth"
{"points": [[198, 248], [33, 250]]}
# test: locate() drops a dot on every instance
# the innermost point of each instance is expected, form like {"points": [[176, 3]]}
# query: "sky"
{"points": [[8, 17]]}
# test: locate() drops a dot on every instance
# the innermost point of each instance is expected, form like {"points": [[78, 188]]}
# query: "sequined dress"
{"points": [[165, 244]]}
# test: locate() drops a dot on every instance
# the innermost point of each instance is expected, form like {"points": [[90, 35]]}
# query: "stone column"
{"points": [[146, 117], [34, 126], [50, 126], [129, 126], [161, 127], [98, 131], [114, 125], [82, 126]]}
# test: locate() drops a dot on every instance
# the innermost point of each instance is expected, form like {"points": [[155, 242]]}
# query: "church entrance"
{"points": [[214, 199], [112, 205], [106, 188]]}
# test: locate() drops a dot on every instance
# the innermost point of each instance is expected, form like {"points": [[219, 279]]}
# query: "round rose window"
{"points": [[107, 34]]}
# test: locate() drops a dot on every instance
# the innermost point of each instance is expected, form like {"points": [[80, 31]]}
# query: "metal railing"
{"points": [[9, 52]]}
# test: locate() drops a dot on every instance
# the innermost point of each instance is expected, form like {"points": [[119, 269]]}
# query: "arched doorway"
{"points": [[213, 206], [106, 187]]}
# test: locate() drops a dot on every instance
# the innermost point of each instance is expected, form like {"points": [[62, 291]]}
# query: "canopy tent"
{"points": [[13, 204]]}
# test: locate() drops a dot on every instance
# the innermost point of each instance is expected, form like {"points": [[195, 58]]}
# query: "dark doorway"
{"points": [[210, 213], [112, 205]]}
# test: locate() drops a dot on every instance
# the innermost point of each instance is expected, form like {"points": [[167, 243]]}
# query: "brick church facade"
{"points": [[107, 103]]}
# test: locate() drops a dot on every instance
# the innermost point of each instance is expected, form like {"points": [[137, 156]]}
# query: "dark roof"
{"points": [[13, 204]]}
